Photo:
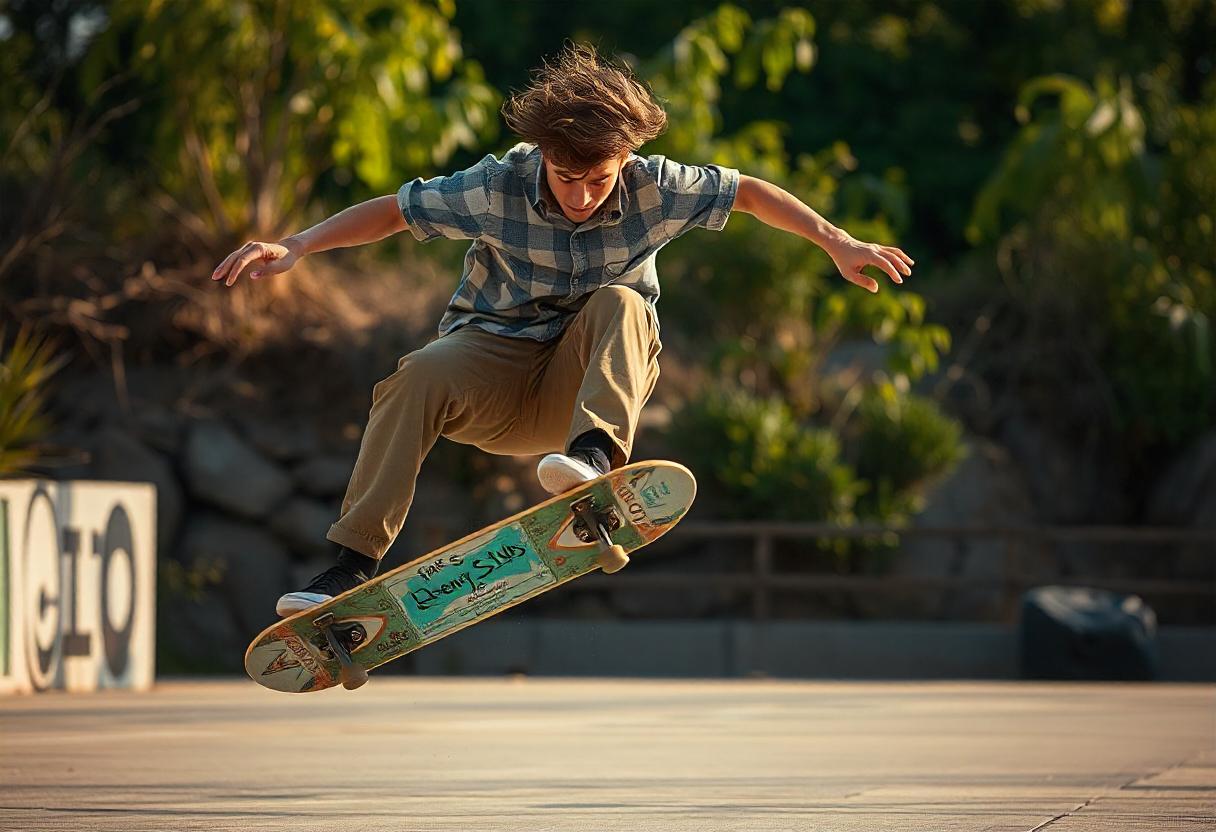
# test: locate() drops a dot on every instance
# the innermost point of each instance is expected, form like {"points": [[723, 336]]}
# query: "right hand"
{"points": [[267, 258]]}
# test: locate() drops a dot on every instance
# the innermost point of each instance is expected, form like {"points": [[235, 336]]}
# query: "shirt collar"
{"points": [[537, 191], [540, 196]]}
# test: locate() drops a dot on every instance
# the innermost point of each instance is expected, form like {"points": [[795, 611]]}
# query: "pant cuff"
{"points": [[364, 545]]}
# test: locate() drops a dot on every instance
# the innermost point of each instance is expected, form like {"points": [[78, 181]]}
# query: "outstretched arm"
{"points": [[366, 222], [781, 209]]}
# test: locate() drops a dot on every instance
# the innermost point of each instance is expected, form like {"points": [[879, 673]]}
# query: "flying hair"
{"points": [[583, 109]]}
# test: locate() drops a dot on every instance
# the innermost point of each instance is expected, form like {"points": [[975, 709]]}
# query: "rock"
{"points": [[857, 359], [89, 400], [71, 456], [302, 524], [284, 442], [440, 513], [223, 470], [1072, 484], [1194, 560], [985, 490], [302, 572], [324, 476], [159, 427], [119, 456], [196, 634], [246, 567], [1185, 495], [1191, 477]]}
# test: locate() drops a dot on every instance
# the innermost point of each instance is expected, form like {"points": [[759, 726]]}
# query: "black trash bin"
{"points": [[1081, 633]]}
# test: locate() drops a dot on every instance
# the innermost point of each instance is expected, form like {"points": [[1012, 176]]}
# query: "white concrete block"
{"points": [[77, 585]]}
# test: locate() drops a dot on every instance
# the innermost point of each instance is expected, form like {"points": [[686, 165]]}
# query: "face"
{"points": [[581, 193]]}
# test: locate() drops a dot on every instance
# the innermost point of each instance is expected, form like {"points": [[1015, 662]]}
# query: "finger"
{"points": [[252, 253], [888, 267], [231, 266], [864, 281], [903, 258], [221, 271], [238, 267]]}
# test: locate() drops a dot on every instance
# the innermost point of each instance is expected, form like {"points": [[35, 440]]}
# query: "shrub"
{"points": [[901, 442], [1101, 213], [25, 368], [762, 461]]}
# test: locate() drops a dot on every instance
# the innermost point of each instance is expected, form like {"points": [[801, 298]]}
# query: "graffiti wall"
{"points": [[77, 585]]}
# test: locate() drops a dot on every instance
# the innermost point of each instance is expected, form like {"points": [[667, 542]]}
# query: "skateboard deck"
{"points": [[469, 580]]}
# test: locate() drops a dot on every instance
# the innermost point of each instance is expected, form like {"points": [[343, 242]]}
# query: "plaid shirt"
{"points": [[529, 269]]}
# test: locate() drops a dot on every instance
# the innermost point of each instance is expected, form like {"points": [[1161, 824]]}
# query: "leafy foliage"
{"points": [[1106, 241], [26, 366], [1071, 165], [901, 442], [49, 163], [252, 102], [769, 308], [764, 461]]}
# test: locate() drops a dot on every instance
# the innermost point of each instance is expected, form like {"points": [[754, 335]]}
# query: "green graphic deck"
{"points": [[471, 579]]}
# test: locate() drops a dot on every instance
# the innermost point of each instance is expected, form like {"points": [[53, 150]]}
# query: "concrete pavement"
{"points": [[548, 754]]}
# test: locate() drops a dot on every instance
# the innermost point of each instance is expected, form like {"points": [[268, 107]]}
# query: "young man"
{"points": [[550, 343]]}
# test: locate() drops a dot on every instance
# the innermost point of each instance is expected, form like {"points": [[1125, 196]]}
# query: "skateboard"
{"points": [[594, 526]]}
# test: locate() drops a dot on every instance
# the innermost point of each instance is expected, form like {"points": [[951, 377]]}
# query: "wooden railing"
{"points": [[1019, 543]]}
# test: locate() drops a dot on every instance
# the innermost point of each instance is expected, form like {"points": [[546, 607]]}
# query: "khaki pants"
{"points": [[504, 395]]}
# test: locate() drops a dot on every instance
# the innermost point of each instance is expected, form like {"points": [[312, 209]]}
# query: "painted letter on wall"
{"points": [[77, 585]]}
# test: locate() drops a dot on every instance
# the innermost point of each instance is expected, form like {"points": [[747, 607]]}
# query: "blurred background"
{"points": [[1036, 406]]}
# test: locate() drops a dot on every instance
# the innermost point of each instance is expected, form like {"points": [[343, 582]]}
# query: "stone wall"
{"points": [[245, 501]]}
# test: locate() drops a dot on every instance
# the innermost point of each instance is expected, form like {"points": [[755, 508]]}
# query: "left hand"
{"points": [[851, 256]]}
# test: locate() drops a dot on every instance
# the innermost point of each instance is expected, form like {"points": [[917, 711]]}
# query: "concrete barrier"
{"points": [[77, 585], [779, 649]]}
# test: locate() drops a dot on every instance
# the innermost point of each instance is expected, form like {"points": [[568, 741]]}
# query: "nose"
{"points": [[584, 197]]}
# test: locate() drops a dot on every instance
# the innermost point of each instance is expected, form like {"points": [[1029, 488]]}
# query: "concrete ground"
{"points": [[408, 754]]}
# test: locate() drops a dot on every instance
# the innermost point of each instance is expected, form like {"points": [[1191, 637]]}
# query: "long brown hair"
{"points": [[583, 109]]}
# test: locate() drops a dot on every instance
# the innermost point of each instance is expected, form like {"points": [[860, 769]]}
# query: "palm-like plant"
{"points": [[25, 368]]}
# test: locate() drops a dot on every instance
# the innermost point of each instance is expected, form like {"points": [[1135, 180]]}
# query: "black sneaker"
{"points": [[559, 473], [333, 581]]}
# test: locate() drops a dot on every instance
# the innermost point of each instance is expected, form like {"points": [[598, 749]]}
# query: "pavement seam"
{"points": [[1108, 793]]}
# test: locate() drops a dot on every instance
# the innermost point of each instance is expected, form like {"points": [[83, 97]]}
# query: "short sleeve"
{"points": [[693, 196], [452, 206]]}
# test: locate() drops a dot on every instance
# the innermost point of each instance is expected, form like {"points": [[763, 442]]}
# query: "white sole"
{"points": [[559, 473], [294, 602]]}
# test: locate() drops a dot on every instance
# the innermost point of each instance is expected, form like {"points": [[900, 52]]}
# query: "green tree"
{"points": [[48, 157], [768, 308], [1101, 213], [251, 104]]}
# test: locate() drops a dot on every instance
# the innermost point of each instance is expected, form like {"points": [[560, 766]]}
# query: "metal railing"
{"points": [[1019, 545]]}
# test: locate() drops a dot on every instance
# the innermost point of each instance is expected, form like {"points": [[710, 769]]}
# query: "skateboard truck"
{"points": [[351, 675], [592, 524]]}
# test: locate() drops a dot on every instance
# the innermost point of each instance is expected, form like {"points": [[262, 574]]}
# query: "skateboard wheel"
{"points": [[613, 559], [352, 676]]}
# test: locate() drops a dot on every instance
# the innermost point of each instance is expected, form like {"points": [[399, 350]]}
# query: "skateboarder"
{"points": [[550, 343]]}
